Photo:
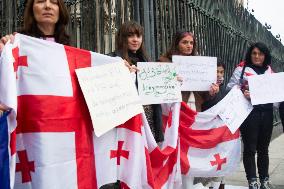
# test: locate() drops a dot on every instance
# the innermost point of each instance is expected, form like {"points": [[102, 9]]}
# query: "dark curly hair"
{"points": [[262, 48]]}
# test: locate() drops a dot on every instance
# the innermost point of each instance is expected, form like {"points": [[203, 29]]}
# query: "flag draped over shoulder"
{"points": [[54, 146], [50, 140]]}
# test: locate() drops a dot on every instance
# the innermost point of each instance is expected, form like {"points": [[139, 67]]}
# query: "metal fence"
{"points": [[223, 28]]}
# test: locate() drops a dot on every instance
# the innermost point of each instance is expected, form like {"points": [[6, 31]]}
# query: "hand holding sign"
{"points": [[157, 83], [110, 94], [198, 72]]}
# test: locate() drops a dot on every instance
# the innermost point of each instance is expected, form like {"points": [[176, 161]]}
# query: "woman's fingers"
{"points": [[180, 78], [5, 39], [3, 107], [214, 89], [247, 94], [132, 68]]}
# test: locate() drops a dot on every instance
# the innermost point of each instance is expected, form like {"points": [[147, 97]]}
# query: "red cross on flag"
{"points": [[218, 161], [119, 153], [19, 60], [25, 166], [122, 152]]}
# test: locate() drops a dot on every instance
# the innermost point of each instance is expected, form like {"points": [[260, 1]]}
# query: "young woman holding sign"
{"points": [[130, 47], [256, 130], [184, 43]]}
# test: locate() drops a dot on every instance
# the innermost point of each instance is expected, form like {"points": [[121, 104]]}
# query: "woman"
{"points": [[130, 46], [46, 19], [256, 130], [184, 43]]}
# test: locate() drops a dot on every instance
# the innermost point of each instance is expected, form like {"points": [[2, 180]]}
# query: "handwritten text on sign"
{"points": [[266, 88], [110, 94], [157, 83], [198, 72], [235, 109]]}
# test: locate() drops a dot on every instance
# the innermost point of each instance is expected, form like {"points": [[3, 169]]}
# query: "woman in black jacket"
{"points": [[130, 47]]}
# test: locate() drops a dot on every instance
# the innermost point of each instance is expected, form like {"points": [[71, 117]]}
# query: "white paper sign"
{"points": [[198, 72], [157, 83], [266, 88], [110, 94], [233, 109]]}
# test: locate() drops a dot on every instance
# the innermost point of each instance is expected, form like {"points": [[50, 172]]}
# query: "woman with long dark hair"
{"points": [[184, 44], [46, 19], [130, 47], [256, 130]]}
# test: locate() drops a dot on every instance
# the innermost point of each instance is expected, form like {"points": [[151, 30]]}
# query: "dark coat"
{"points": [[281, 112], [214, 100]]}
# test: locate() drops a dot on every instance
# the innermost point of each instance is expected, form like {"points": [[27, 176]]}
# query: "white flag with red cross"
{"points": [[120, 154], [56, 148], [208, 148], [54, 131], [130, 154], [165, 159]]}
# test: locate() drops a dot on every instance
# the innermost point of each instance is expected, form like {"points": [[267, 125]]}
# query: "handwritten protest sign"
{"points": [[110, 94], [266, 88], [157, 83], [198, 72], [233, 109]]}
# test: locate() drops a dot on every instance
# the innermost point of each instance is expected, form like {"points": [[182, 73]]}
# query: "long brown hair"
{"points": [[127, 29], [30, 24], [174, 50]]}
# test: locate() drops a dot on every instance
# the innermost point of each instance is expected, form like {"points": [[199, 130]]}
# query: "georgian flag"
{"points": [[56, 148], [54, 130], [130, 154], [209, 149]]}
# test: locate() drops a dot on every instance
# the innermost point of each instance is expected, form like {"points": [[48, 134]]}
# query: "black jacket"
{"points": [[214, 100], [281, 112]]}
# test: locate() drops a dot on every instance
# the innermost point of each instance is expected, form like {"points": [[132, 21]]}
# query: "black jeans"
{"points": [[281, 112], [256, 134]]}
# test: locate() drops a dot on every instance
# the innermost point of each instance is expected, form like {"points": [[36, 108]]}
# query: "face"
{"points": [[46, 12], [134, 42], [185, 46], [220, 74], [257, 57]]}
